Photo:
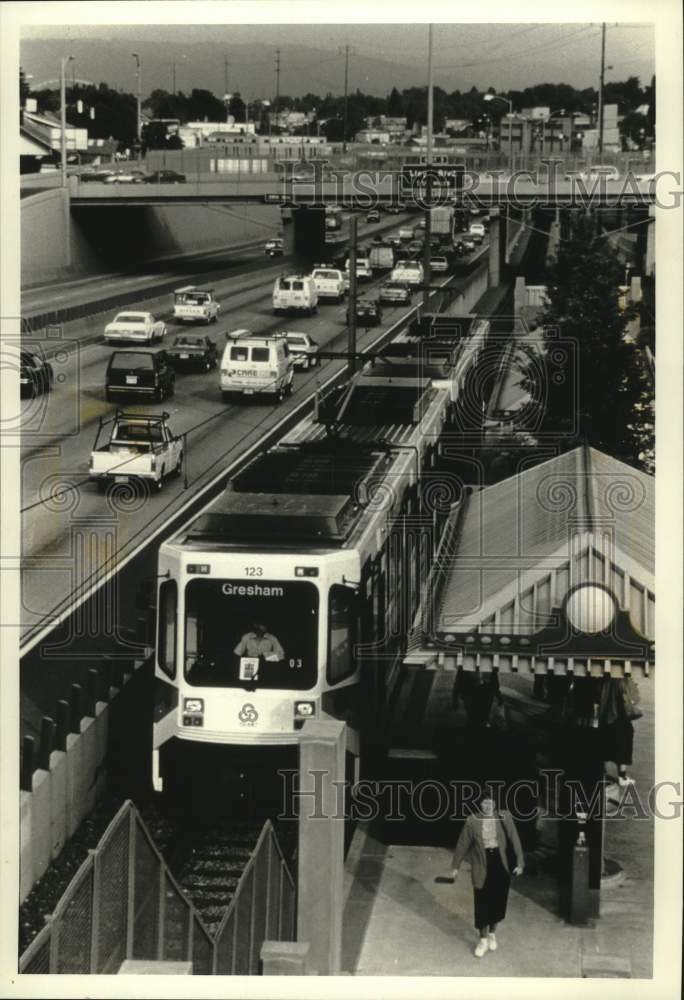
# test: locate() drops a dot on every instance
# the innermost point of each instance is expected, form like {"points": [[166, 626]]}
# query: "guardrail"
{"points": [[124, 903]]}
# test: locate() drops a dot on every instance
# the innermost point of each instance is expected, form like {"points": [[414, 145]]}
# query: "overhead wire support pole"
{"points": [[347, 49], [600, 95], [63, 160], [428, 185], [351, 309], [277, 98]]}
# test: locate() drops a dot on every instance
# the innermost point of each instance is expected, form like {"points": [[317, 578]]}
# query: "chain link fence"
{"points": [[123, 902]]}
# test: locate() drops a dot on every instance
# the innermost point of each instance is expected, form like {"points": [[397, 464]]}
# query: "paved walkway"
{"points": [[399, 921]]}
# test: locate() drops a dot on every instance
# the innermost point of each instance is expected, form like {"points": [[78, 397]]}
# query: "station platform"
{"points": [[399, 921]]}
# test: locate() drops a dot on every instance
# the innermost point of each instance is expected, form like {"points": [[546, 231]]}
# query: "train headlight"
{"points": [[304, 709], [194, 705]]}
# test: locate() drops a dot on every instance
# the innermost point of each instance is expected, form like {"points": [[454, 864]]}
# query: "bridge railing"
{"points": [[124, 903]]}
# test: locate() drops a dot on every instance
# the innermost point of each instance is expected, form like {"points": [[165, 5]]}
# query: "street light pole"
{"points": [[600, 96], [63, 123], [138, 122], [428, 186]]}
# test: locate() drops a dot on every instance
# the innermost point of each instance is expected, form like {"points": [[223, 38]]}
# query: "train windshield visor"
{"points": [[247, 633]]}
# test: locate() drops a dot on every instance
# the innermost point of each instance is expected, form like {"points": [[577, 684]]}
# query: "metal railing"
{"points": [[124, 903]]}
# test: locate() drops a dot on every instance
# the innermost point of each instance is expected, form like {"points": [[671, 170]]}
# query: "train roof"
{"points": [[315, 485], [438, 324]]}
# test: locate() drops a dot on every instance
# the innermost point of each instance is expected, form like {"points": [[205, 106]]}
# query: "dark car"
{"points": [[36, 375], [393, 292], [165, 177], [368, 313], [101, 176], [193, 351], [373, 215], [139, 373]]}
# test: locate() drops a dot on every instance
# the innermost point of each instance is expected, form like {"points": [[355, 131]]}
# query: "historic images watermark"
{"points": [[551, 795], [432, 187]]}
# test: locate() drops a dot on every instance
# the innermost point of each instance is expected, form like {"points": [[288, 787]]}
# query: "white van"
{"points": [[295, 292], [254, 364], [329, 282]]}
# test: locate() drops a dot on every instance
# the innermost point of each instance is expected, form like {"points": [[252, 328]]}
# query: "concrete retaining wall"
{"points": [[63, 796], [106, 239]]}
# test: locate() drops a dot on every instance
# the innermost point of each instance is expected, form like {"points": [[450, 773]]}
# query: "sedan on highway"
{"points": [[439, 264], [165, 177], [303, 349], [193, 351], [274, 247], [135, 327], [101, 175], [35, 375], [395, 292], [373, 215], [126, 177], [368, 313]]}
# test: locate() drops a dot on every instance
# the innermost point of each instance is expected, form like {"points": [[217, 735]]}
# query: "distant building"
{"points": [[49, 128], [372, 136], [454, 126], [537, 113]]}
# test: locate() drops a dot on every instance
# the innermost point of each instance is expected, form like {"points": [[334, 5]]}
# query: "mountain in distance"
{"points": [[201, 65]]}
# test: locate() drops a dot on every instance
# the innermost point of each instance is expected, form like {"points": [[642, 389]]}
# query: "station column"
{"points": [[321, 843]]}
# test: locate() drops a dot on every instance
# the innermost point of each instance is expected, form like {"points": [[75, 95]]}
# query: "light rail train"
{"points": [[289, 597]]}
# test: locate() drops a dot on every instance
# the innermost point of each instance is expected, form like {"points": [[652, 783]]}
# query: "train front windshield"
{"points": [[251, 634]]}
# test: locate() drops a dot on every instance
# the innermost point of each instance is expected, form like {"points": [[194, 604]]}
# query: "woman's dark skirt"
{"points": [[618, 741], [491, 899]]}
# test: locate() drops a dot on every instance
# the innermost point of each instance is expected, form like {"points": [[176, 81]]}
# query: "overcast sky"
{"points": [[505, 56]]}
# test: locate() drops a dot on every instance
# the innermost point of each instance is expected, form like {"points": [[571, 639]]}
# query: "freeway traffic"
{"points": [[60, 505]]}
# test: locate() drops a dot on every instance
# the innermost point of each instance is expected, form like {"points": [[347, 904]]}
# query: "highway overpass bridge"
{"points": [[365, 188]]}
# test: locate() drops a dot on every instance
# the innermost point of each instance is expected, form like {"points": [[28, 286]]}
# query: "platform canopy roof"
{"points": [[516, 553]]}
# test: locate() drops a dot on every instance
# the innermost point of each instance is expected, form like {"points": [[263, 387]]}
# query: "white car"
{"points": [[439, 264], [135, 327], [408, 272], [364, 271], [477, 231], [329, 282], [303, 349]]}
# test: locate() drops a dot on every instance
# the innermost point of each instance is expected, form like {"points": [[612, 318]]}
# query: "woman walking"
{"points": [[484, 840]]}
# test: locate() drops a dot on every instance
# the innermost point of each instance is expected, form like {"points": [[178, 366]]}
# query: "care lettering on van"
{"points": [[251, 590]]}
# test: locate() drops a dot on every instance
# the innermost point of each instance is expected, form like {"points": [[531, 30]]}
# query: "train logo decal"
{"points": [[248, 714]]}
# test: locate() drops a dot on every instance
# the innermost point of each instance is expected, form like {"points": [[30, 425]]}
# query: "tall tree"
{"points": [[601, 385]]}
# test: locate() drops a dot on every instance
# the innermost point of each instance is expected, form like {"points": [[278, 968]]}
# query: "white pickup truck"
{"points": [[138, 446], [135, 327], [192, 304]]}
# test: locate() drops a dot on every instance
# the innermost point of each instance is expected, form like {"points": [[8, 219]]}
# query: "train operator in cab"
{"points": [[260, 643]]}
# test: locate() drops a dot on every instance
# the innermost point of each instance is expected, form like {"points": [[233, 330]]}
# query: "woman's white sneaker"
{"points": [[481, 948], [491, 941]]}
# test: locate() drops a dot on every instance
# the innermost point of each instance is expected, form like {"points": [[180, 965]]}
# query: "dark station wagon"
{"points": [[193, 351], [139, 373]]}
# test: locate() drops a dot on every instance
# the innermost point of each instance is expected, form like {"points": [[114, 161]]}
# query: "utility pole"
{"points": [[351, 310], [173, 78], [63, 160], [600, 96], [63, 123], [225, 74], [347, 49], [138, 125], [428, 186]]}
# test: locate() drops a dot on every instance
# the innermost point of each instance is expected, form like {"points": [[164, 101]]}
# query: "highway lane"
{"points": [[69, 529], [196, 268]]}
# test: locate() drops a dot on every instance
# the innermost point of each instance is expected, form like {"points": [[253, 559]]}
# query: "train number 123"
{"points": [[254, 571]]}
